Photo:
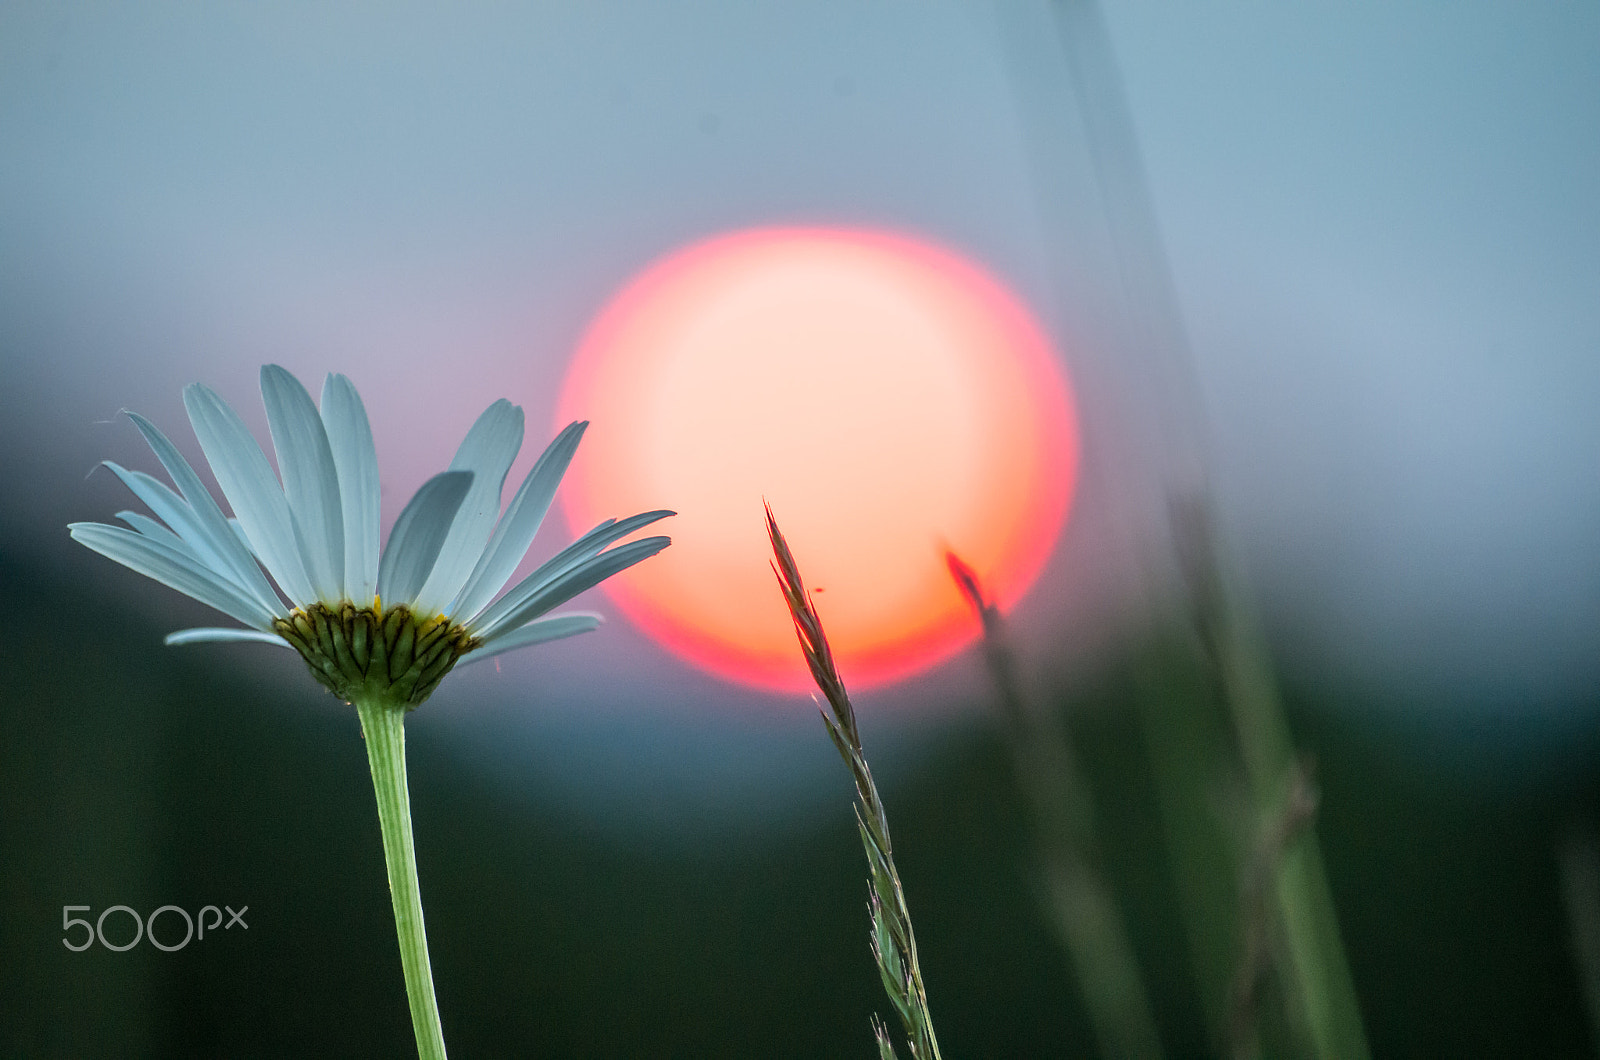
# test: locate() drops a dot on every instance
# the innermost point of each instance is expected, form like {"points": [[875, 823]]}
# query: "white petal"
{"points": [[250, 486], [310, 480], [418, 534], [518, 526], [178, 516], [173, 568], [537, 632], [154, 530], [207, 634], [488, 450], [209, 523], [350, 437], [586, 575], [558, 565]]}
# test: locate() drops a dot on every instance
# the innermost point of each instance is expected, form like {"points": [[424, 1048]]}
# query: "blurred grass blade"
{"points": [[1080, 903], [1579, 857], [1313, 967]]}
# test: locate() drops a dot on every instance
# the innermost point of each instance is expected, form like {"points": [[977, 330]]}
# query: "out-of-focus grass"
{"points": [[1074, 892], [133, 774]]}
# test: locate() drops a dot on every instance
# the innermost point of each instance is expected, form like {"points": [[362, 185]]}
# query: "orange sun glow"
{"points": [[888, 399]]}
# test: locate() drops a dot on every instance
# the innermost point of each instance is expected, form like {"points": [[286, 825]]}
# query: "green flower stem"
{"points": [[383, 724]]}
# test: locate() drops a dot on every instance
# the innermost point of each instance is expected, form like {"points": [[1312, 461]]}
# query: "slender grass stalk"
{"points": [[1082, 906], [383, 726], [1257, 913], [1191, 755], [1579, 857], [1313, 966], [894, 945]]}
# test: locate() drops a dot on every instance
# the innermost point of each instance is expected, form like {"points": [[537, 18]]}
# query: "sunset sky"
{"points": [[1379, 223], [1358, 305]]}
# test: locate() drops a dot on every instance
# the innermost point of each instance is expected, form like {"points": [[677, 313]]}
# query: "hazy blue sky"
{"points": [[1386, 236]]}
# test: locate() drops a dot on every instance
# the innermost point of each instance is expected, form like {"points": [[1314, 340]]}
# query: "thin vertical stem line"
{"points": [[383, 725]]}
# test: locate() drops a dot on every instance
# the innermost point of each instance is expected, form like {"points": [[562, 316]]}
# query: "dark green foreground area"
{"points": [[133, 776]]}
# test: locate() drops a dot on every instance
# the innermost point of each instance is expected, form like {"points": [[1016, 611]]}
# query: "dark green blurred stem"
{"points": [[1314, 969], [1195, 742], [1579, 858], [1257, 915], [1186, 738], [1082, 908], [383, 726]]}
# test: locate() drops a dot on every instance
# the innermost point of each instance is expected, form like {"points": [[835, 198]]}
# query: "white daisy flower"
{"points": [[299, 564]]}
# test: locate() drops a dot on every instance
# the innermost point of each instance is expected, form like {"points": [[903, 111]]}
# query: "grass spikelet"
{"points": [[894, 946]]}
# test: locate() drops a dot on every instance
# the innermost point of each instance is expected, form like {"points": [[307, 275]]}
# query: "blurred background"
{"points": [[1324, 279]]}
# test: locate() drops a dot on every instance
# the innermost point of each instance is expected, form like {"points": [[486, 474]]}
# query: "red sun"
{"points": [[889, 399]]}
